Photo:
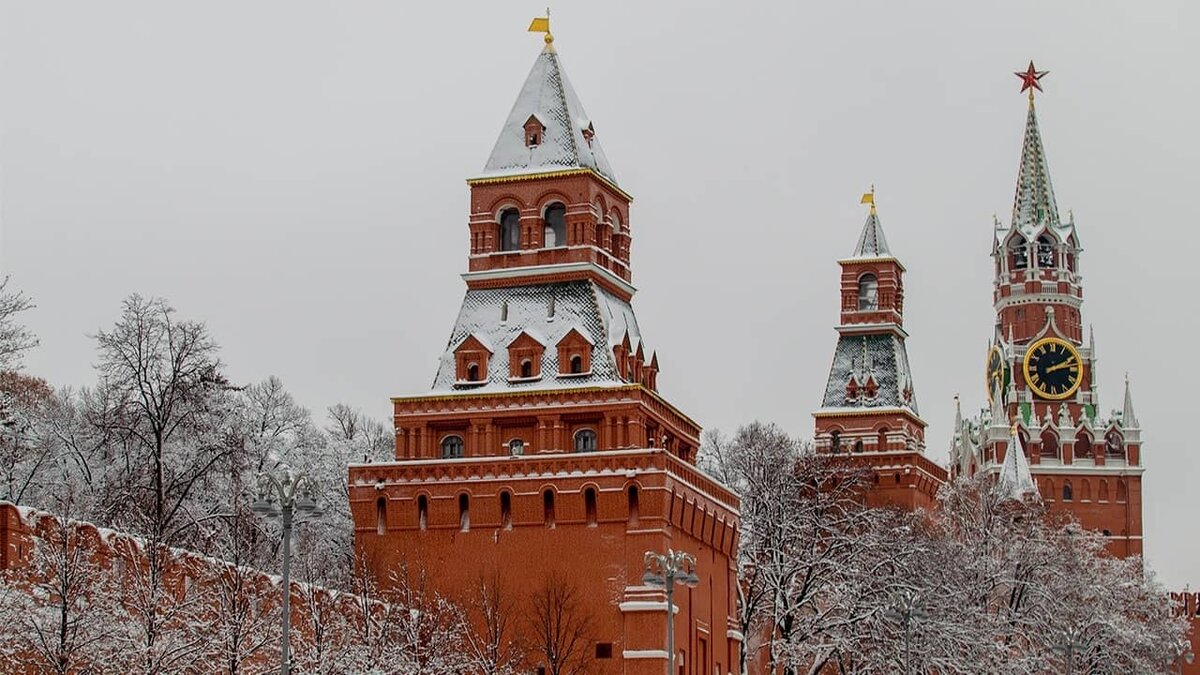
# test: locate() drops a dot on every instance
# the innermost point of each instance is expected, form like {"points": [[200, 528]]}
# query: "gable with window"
{"points": [[471, 361], [574, 353], [525, 357]]}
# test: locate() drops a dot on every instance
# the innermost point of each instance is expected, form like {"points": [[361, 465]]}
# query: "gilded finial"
{"points": [[541, 24], [869, 198]]}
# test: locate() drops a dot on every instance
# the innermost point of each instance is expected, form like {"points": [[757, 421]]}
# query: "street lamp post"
{"points": [[664, 571], [904, 612], [291, 498]]}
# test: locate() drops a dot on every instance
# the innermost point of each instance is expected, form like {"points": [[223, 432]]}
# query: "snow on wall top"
{"points": [[601, 317], [548, 96], [882, 357], [872, 243]]}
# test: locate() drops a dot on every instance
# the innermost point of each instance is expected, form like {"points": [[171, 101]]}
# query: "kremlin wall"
{"points": [[544, 446]]}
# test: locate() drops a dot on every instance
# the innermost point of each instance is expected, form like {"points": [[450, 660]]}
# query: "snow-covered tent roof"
{"points": [[548, 96], [1015, 480], [601, 317], [881, 357], [872, 243]]}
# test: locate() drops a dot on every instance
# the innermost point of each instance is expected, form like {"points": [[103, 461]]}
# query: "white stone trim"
{"points": [[735, 635], [645, 606], [645, 654]]}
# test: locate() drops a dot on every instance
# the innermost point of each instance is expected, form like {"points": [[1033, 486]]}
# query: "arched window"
{"points": [[858, 446], [510, 230], [1083, 445], [556, 225], [506, 510], [381, 515], [464, 512], [422, 511], [616, 228], [1085, 490], [516, 447], [1045, 252], [1103, 490], [576, 364], [1049, 443], [882, 442], [1122, 491], [585, 440], [868, 292], [548, 508], [452, 447], [1066, 493], [633, 505], [1018, 254], [527, 368], [472, 372], [589, 506], [835, 442], [1112, 445]]}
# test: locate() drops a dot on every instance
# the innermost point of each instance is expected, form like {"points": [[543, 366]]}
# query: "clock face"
{"points": [[997, 372], [1053, 368]]}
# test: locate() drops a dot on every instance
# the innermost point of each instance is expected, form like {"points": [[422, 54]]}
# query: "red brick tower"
{"points": [[1041, 374], [544, 450], [870, 408]]}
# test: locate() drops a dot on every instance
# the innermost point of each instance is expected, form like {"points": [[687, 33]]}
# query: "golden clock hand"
{"points": [[1064, 364]]}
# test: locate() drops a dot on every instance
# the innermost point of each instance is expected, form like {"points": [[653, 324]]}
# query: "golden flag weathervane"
{"points": [[869, 198], [541, 24]]}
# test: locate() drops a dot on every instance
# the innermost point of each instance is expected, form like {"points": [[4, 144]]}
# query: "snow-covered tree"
{"points": [[15, 338]]}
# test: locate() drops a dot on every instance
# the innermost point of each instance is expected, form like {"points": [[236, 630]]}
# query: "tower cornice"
{"points": [[540, 273], [505, 177]]}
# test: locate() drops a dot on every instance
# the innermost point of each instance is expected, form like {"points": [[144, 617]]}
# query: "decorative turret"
{"points": [[547, 202], [1036, 255], [870, 404], [1015, 480]]}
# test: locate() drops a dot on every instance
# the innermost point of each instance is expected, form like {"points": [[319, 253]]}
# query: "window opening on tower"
{"points": [[556, 225], [510, 230], [868, 292]]}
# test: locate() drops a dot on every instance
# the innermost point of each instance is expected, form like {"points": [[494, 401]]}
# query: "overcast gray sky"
{"points": [[291, 172]]}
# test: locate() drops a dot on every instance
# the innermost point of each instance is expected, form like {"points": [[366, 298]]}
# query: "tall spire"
{"points": [[1016, 481], [1034, 202], [1129, 420], [547, 129]]}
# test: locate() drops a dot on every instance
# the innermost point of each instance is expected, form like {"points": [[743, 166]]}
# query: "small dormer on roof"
{"points": [[547, 129]]}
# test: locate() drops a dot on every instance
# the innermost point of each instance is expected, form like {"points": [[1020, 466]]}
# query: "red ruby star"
{"points": [[1030, 77]]}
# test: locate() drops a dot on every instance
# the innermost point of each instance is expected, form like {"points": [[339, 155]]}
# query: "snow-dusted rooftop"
{"points": [[880, 357], [602, 319], [548, 96], [872, 243]]}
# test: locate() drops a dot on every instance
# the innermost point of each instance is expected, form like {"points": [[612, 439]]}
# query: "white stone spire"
{"points": [[567, 139], [1015, 480], [1129, 420]]}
